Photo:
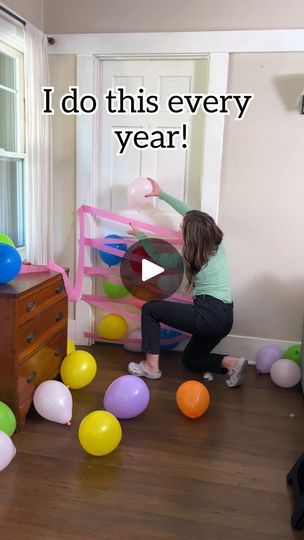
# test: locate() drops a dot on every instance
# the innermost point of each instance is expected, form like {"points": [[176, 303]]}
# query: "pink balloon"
{"points": [[53, 401], [7, 450], [137, 190], [134, 347]]}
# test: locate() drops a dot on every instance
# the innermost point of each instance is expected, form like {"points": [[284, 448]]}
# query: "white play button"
{"points": [[150, 270]]}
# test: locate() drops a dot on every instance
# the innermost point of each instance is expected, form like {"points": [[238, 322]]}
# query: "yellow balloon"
{"points": [[112, 326], [99, 433], [70, 346], [78, 369]]}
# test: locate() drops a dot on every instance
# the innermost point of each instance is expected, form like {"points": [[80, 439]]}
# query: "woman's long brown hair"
{"points": [[202, 238]]}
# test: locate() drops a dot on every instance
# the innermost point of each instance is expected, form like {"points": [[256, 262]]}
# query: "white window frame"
{"points": [[19, 154]]}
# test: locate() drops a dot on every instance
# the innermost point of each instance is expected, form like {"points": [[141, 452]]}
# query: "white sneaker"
{"points": [[235, 375]]}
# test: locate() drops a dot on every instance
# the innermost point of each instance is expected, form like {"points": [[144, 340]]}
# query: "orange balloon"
{"points": [[192, 398]]}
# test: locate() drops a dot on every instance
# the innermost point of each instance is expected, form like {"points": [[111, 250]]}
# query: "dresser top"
{"points": [[25, 282]]}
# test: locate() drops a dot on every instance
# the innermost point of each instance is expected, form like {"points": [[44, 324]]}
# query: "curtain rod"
{"points": [[50, 39], [13, 15]]}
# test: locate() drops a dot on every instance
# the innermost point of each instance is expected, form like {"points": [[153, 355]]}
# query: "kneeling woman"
{"points": [[209, 319]]}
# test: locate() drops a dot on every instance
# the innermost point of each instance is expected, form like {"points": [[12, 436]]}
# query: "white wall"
{"points": [[262, 193], [77, 16], [63, 74], [31, 10]]}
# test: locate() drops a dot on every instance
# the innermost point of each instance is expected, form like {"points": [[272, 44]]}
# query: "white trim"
{"points": [[180, 42], [214, 137], [72, 330], [247, 346], [85, 192], [11, 31]]}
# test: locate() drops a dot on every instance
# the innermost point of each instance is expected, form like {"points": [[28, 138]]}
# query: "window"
{"points": [[12, 144]]}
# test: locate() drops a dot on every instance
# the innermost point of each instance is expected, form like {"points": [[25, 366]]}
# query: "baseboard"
{"points": [[245, 346], [233, 345], [249, 346]]}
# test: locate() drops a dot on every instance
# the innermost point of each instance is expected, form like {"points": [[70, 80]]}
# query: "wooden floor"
{"points": [[221, 477]]}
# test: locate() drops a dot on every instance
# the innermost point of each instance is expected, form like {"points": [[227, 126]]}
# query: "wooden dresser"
{"points": [[33, 336]]}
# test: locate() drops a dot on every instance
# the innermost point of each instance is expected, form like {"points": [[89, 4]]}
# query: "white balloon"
{"points": [[53, 400], [134, 347], [7, 450], [285, 373]]}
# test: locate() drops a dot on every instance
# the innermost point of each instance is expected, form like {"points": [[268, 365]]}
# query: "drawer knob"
{"points": [[31, 376], [59, 289], [31, 337], [59, 316], [31, 306], [58, 352]]}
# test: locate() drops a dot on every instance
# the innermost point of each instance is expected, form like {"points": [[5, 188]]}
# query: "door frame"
{"points": [[87, 170]]}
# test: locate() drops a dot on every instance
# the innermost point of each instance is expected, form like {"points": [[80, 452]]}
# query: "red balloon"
{"points": [[139, 252]]}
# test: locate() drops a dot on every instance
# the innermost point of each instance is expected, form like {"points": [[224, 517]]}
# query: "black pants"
{"points": [[208, 320]]}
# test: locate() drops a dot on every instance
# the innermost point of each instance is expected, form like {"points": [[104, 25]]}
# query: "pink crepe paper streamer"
{"points": [[33, 269], [74, 293]]}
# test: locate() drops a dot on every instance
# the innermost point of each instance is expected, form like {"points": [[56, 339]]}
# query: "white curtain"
{"points": [[39, 173]]}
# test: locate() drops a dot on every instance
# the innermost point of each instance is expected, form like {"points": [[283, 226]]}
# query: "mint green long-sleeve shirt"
{"points": [[212, 279]]}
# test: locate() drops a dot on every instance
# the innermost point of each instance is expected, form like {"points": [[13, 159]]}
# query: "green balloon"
{"points": [[4, 239], [293, 353], [7, 419], [114, 290]]}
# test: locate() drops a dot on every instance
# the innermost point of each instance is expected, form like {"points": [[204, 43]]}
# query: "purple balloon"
{"points": [[126, 397], [266, 357]]}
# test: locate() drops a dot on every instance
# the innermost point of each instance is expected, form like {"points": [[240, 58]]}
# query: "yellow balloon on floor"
{"points": [[70, 346], [99, 433], [112, 326], [78, 369]]}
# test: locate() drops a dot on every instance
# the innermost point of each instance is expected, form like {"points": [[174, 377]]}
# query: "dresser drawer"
{"points": [[42, 366], [40, 329], [32, 304]]}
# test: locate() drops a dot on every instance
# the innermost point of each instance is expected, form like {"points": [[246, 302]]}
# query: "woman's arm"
{"points": [[179, 206], [168, 260]]}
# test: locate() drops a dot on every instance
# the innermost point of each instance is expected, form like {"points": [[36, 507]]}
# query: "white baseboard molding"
{"points": [[248, 346], [233, 345]]}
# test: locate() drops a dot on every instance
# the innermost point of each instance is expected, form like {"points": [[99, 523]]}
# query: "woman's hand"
{"points": [[156, 188], [133, 231]]}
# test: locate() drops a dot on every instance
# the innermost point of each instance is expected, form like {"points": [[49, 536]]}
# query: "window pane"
{"points": [[7, 71], [11, 200], [8, 121]]}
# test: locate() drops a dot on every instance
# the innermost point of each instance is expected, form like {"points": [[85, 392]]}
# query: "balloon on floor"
{"points": [[266, 357], [7, 419], [78, 369], [127, 397], [53, 401], [192, 399], [285, 373], [99, 433], [7, 450]]}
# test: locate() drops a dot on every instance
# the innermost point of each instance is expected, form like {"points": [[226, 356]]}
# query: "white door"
{"points": [[178, 171]]}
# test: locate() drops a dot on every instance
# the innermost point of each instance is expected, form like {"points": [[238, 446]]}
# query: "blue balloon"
{"points": [[10, 263], [166, 333], [108, 258]]}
